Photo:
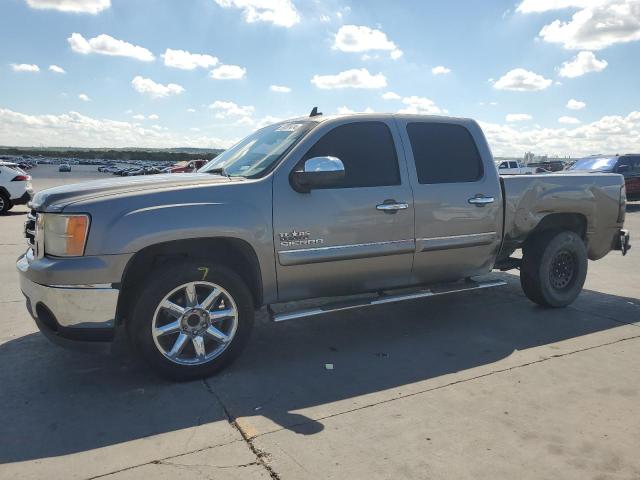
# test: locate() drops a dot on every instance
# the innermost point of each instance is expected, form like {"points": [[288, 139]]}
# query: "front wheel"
{"points": [[554, 268], [192, 320]]}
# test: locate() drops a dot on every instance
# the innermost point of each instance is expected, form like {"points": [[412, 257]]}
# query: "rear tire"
{"points": [[204, 351], [5, 204], [554, 268]]}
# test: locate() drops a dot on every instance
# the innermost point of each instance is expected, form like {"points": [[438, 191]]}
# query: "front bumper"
{"points": [[76, 312]]}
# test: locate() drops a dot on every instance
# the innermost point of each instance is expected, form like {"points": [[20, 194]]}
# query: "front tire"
{"points": [[554, 268], [191, 320]]}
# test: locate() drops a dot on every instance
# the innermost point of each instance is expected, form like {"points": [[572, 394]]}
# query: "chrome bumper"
{"points": [[72, 307]]}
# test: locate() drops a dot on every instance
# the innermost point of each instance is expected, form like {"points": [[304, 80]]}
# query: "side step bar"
{"points": [[386, 298]]}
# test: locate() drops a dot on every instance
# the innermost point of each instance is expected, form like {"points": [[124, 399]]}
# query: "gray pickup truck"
{"points": [[385, 208]]}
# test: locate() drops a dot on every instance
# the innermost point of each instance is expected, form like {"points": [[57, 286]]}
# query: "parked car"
{"points": [[64, 167], [15, 186], [397, 206], [628, 165], [514, 167]]}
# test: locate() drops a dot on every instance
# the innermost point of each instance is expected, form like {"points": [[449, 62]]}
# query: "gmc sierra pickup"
{"points": [[397, 206]]}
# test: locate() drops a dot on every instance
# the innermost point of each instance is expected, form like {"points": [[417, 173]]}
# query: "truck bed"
{"points": [[593, 199]]}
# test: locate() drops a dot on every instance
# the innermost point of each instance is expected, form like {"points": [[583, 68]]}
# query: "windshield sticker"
{"points": [[289, 127]]}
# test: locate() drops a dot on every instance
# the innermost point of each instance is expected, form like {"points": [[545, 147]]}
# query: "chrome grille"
{"points": [[30, 228]]}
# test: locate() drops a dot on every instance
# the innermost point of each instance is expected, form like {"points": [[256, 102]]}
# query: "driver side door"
{"points": [[340, 239]]}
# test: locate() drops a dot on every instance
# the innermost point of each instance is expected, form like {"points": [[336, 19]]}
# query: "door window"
{"points": [[367, 151], [444, 153]]}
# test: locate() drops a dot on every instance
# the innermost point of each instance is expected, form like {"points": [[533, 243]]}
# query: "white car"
{"points": [[513, 167], [15, 186]]}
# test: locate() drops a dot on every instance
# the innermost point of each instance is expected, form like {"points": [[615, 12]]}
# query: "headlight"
{"points": [[65, 235]]}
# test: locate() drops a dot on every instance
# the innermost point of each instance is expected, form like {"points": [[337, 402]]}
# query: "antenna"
{"points": [[314, 112]]}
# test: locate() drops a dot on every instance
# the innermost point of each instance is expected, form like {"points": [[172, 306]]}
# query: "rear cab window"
{"points": [[444, 153]]}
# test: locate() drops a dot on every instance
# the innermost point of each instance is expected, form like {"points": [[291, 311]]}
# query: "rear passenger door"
{"points": [[345, 239], [457, 197]]}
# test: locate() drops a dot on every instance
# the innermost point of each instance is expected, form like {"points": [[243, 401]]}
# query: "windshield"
{"points": [[598, 163], [260, 150]]}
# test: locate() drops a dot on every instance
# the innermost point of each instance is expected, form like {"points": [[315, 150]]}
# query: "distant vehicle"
{"points": [[628, 165], [15, 186], [513, 167], [64, 167], [188, 167], [547, 166]]}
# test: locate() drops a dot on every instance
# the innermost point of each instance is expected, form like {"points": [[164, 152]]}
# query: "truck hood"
{"points": [[56, 198]]}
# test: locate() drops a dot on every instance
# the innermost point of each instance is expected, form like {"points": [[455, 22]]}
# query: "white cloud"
{"points": [[139, 116], [73, 6], [153, 116], [76, 130], [354, 78], [420, 106], [596, 25], [583, 62], [228, 72], [279, 89], [539, 6], [440, 70], [610, 133], [518, 117], [574, 104], [325, 18], [279, 12], [522, 80], [231, 109], [155, 90], [390, 96], [346, 110], [107, 45], [56, 69], [354, 38], [568, 120], [187, 60], [25, 67], [84, 97], [191, 110]]}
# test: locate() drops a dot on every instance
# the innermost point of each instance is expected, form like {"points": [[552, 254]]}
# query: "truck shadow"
{"points": [[57, 402]]}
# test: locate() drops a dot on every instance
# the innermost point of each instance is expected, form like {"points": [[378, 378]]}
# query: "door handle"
{"points": [[480, 200], [391, 206]]}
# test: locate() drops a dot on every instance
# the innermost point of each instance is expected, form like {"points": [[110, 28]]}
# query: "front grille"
{"points": [[30, 228]]}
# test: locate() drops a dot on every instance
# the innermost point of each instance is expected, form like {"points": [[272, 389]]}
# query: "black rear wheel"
{"points": [[554, 268], [5, 204]]}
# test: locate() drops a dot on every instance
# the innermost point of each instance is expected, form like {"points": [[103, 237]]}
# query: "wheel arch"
{"points": [[575, 222], [228, 251]]}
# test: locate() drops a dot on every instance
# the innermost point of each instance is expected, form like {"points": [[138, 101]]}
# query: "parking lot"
{"points": [[478, 385]]}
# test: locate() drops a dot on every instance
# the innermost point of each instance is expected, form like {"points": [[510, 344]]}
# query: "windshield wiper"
{"points": [[219, 171]]}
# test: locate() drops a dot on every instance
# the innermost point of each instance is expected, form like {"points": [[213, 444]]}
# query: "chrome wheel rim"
{"points": [[194, 323], [1, 203]]}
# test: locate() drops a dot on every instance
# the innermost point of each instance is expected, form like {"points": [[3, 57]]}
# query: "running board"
{"points": [[386, 298]]}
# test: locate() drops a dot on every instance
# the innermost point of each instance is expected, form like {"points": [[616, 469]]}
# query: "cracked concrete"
{"points": [[483, 385]]}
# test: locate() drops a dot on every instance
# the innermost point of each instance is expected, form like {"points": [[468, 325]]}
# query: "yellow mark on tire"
{"points": [[205, 271]]}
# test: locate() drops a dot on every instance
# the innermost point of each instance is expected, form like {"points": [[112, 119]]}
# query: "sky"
{"points": [[557, 77]]}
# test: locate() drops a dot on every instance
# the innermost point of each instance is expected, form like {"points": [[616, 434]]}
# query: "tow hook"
{"points": [[625, 246]]}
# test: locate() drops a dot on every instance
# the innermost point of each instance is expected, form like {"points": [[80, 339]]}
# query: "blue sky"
{"points": [[541, 75]]}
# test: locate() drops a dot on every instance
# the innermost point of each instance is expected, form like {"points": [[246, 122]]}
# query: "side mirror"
{"points": [[622, 168], [317, 172]]}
